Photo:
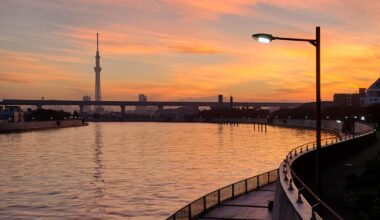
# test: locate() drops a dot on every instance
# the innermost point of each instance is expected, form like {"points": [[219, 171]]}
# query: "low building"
{"points": [[347, 99], [372, 95], [11, 114], [177, 113]]}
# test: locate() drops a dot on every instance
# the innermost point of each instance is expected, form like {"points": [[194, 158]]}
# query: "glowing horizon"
{"points": [[186, 50]]}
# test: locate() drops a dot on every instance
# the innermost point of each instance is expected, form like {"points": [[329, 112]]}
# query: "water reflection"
{"points": [[131, 170], [98, 154], [98, 168]]}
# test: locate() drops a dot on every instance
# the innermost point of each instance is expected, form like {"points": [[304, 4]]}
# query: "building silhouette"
{"points": [[372, 95], [347, 99], [142, 109], [220, 101], [87, 108]]}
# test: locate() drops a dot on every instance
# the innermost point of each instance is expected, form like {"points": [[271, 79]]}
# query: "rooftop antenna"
{"points": [[97, 41]]}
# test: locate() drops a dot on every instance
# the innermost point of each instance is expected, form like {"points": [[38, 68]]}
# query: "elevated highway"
{"points": [[159, 104]]}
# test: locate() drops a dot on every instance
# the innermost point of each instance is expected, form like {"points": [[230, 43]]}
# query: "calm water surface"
{"points": [[131, 170]]}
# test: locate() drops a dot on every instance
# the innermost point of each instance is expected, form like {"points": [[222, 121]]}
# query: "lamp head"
{"points": [[263, 38]]}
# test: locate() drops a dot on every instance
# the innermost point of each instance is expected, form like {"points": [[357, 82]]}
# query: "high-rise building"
{"points": [[142, 109], [97, 70], [220, 101], [86, 108], [143, 98]]}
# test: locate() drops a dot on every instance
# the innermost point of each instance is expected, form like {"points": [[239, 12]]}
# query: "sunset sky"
{"points": [[186, 50]]}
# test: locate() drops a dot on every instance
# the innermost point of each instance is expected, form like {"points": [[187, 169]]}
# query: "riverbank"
{"points": [[39, 125], [333, 126]]}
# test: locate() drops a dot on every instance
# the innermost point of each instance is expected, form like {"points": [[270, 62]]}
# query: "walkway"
{"points": [[250, 206]]}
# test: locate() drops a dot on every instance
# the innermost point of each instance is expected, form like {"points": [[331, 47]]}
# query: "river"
{"points": [[131, 170]]}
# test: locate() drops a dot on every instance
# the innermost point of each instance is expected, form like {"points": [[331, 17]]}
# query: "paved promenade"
{"points": [[250, 206]]}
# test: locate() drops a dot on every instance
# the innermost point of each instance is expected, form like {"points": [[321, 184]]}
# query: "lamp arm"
{"points": [[312, 41]]}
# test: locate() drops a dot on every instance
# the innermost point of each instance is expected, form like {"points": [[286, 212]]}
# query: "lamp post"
{"points": [[267, 38]]}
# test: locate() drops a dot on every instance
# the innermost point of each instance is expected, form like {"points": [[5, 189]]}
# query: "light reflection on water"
{"points": [[131, 170]]}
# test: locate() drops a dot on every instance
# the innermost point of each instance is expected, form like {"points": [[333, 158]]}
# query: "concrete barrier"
{"points": [[38, 125]]}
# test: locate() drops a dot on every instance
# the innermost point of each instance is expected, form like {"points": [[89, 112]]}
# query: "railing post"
{"points": [[290, 185], [299, 200], [218, 196], [313, 212], [268, 177], [258, 183], [233, 190], [286, 178], [246, 185], [204, 203], [190, 211], [312, 215]]}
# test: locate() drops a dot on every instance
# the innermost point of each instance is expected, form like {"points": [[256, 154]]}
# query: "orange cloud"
{"points": [[194, 49], [128, 41], [23, 71], [152, 47]]}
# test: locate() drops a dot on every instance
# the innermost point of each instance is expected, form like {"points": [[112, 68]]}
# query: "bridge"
{"points": [[159, 104]]}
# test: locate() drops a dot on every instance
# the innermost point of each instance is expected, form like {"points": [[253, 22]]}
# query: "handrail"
{"points": [[215, 198], [293, 176]]}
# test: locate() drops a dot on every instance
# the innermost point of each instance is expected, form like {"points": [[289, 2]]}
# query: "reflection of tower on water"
{"points": [[98, 170], [98, 152]]}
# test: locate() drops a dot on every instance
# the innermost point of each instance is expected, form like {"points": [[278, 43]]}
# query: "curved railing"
{"points": [[317, 205], [213, 199]]}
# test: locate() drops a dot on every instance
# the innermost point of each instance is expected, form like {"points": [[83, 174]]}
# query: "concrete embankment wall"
{"points": [[331, 125], [38, 125], [305, 123]]}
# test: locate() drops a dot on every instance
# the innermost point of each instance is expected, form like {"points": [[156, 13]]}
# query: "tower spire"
{"points": [[97, 41], [97, 70]]}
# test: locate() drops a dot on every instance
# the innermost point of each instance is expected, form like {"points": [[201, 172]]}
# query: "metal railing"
{"points": [[318, 207], [215, 198]]}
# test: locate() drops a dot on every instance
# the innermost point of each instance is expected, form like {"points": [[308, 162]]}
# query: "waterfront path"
{"points": [[253, 205]]}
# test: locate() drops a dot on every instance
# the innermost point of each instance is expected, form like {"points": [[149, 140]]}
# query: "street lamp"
{"points": [[267, 38]]}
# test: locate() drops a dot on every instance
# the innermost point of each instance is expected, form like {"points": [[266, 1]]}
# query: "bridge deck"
{"points": [[253, 205], [148, 103]]}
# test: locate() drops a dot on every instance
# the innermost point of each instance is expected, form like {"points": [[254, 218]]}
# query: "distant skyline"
{"points": [[178, 50]]}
